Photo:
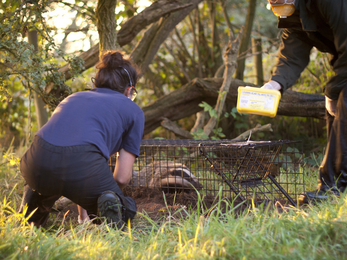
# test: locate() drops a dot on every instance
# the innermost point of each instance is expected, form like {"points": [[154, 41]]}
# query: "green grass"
{"points": [[311, 232]]}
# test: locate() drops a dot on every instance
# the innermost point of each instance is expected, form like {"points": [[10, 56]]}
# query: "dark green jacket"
{"points": [[315, 23]]}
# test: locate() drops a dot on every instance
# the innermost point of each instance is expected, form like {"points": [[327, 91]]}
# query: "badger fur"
{"points": [[166, 174]]}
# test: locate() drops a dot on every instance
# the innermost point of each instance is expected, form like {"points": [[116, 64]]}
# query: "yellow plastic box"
{"points": [[258, 101]]}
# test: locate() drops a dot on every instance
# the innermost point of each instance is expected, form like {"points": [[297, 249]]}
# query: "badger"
{"points": [[166, 175]]}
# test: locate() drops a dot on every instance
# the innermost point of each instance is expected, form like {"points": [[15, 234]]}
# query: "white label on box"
{"points": [[269, 102], [255, 100]]}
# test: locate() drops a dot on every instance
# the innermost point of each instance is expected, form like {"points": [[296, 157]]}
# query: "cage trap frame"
{"points": [[242, 171]]}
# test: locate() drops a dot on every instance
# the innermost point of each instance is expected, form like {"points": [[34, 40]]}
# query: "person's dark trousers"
{"points": [[34, 201], [79, 173], [333, 169]]}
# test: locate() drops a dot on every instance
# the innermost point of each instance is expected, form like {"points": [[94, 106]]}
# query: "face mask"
{"points": [[282, 8], [133, 93]]}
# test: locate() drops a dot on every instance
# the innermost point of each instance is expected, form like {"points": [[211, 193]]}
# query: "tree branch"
{"points": [[200, 121], [173, 127], [230, 57], [148, 16], [248, 133]]}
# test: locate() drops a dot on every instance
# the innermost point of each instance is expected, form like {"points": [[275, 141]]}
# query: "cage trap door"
{"points": [[246, 168]]}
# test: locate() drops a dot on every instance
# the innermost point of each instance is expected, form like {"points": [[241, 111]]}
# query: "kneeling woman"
{"points": [[69, 155]]}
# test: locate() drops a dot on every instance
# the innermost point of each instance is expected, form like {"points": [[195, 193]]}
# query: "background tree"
{"points": [[40, 106], [245, 40]]}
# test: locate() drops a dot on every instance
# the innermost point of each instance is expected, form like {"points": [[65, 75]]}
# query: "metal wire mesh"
{"points": [[259, 171]]}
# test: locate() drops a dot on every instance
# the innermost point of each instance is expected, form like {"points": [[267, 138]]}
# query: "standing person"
{"points": [[69, 155], [321, 24]]}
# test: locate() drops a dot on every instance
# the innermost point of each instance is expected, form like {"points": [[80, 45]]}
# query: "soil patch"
{"points": [[157, 204], [151, 202]]}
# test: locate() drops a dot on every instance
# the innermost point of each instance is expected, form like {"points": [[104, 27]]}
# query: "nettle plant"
{"points": [[217, 131]]}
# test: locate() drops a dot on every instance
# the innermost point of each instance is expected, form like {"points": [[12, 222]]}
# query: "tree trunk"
{"points": [[258, 60], [185, 101], [245, 39], [216, 52], [41, 111], [105, 14]]}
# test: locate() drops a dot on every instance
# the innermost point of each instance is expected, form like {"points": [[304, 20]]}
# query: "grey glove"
{"points": [[272, 85], [330, 105]]}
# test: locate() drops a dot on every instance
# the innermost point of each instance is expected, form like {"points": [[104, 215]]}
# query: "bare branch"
{"points": [[149, 44], [248, 133], [177, 62], [227, 19], [177, 130], [230, 66], [316, 77], [183, 47], [148, 16], [200, 121], [192, 28]]}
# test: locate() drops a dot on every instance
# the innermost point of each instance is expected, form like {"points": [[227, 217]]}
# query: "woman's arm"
{"points": [[124, 168]]}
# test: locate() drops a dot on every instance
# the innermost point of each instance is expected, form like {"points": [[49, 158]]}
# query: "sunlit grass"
{"points": [[310, 232]]}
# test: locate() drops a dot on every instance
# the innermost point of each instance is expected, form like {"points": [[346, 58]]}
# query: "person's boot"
{"points": [[110, 207], [318, 195]]}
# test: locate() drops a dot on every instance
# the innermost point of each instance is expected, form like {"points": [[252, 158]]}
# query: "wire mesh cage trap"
{"points": [[255, 170]]}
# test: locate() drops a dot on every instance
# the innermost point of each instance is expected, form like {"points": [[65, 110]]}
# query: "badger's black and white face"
{"points": [[180, 177], [166, 175]]}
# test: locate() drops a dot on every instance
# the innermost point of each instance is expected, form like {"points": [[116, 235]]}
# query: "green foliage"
{"points": [[24, 69], [12, 120], [316, 75], [240, 122], [200, 135], [208, 108], [19, 60], [217, 131], [313, 160]]}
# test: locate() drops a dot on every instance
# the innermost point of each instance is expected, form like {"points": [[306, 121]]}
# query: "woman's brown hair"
{"points": [[115, 72]]}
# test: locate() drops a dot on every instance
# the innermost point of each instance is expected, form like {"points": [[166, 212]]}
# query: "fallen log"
{"points": [[185, 101]]}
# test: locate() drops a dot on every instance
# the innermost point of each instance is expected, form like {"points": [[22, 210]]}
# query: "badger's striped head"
{"points": [[167, 175], [180, 178]]}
